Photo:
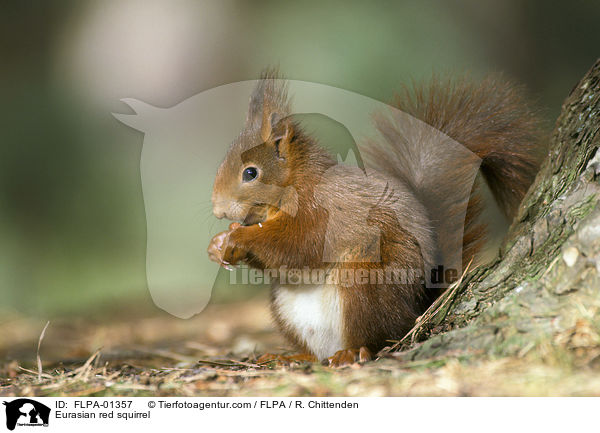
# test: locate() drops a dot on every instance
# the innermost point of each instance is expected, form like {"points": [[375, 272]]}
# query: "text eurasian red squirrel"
{"points": [[291, 202]]}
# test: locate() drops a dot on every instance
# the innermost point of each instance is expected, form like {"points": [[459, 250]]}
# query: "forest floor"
{"points": [[215, 353]]}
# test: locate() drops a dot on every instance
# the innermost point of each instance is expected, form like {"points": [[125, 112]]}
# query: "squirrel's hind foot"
{"points": [[346, 357]]}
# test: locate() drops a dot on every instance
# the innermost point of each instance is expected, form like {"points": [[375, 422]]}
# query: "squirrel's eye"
{"points": [[249, 174]]}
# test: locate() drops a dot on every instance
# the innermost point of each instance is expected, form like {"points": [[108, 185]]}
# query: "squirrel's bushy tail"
{"points": [[491, 119]]}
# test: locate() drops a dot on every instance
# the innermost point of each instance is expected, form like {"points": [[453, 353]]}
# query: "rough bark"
{"points": [[546, 280]]}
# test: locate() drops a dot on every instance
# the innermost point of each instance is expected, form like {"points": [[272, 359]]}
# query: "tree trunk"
{"points": [[544, 288]]}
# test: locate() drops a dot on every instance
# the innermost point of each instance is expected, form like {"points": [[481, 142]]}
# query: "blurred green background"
{"points": [[72, 224]]}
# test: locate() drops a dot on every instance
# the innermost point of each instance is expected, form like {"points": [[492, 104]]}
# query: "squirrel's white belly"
{"points": [[314, 313]]}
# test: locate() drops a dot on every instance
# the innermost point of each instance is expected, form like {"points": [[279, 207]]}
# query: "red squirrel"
{"points": [[279, 188]]}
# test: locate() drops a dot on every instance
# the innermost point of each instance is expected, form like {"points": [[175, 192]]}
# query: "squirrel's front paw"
{"points": [[216, 247], [220, 249], [349, 356]]}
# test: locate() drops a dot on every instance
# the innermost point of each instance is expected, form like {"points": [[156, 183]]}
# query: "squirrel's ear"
{"points": [[281, 137], [270, 125]]}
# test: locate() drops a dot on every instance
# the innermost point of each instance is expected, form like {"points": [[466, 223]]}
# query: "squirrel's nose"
{"points": [[219, 210]]}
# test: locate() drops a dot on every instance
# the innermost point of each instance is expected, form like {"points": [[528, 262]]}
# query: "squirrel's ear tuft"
{"points": [[269, 102]]}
